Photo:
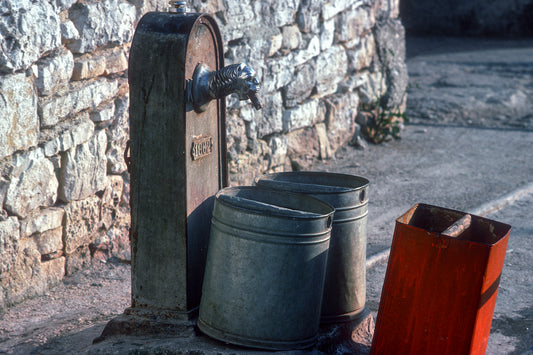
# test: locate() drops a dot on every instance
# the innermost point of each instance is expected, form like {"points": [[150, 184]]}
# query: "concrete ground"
{"points": [[480, 171], [481, 165]]}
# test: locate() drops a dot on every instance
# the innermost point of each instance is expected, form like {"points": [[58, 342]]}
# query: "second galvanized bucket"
{"points": [[345, 286], [265, 268]]}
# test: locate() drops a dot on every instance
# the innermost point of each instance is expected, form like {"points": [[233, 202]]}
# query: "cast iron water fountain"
{"points": [[177, 161], [178, 83]]}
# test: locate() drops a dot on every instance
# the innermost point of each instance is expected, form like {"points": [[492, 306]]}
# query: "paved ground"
{"points": [[475, 82], [478, 165]]}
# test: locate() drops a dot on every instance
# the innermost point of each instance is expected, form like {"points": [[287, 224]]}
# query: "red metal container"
{"points": [[441, 283]]}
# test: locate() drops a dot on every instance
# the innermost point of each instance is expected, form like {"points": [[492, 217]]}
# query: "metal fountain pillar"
{"points": [[177, 153]]}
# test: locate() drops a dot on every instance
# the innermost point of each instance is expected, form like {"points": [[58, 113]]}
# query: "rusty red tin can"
{"points": [[441, 283]]}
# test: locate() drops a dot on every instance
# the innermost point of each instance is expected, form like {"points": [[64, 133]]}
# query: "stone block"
{"points": [[355, 22], [116, 60], [9, 243], [113, 193], [53, 271], [67, 135], [77, 97], [270, 119], [278, 147], [291, 37], [25, 277], [387, 9], [331, 69], [278, 13], [19, 123], [28, 29], [360, 57], [143, 6], [327, 34], [104, 62], [390, 44], [248, 164], [54, 71], [308, 17], [118, 135], [31, 172], [302, 148], [49, 241], [301, 85], [324, 149], [210, 7], [79, 259], [370, 85], [237, 19], [335, 7], [88, 66], [275, 42], [64, 4], [110, 213], [248, 129], [340, 119], [236, 141], [103, 113], [4, 184], [82, 221], [40, 221], [278, 73], [69, 32], [115, 243], [310, 52], [83, 169], [301, 116], [101, 23]]}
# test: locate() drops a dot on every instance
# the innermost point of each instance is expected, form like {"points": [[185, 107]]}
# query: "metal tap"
{"points": [[178, 6], [207, 85]]}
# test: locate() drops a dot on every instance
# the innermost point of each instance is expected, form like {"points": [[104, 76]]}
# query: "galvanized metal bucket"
{"points": [[265, 268], [345, 287]]}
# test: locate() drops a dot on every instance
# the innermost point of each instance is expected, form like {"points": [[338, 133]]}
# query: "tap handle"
{"points": [[178, 6]]}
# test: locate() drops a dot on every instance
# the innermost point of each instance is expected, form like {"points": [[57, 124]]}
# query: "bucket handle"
{"points": [[456, 229], [362, 195]]}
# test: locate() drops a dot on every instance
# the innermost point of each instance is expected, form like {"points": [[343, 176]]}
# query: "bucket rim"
{"points": [[358, 183], [329, 210], [500, 234], [266, 344]]}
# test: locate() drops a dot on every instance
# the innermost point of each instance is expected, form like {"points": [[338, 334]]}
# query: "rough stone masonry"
{"points": [[64, 104]]}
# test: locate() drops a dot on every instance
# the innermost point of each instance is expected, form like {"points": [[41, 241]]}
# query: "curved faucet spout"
{"points": [[209, 85]]}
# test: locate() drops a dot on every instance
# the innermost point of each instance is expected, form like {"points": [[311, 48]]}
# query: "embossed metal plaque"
{"points": [[201, 147]]}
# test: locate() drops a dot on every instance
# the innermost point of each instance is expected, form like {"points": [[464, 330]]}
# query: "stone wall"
{"points": [[64, 112], [468, 17], [319, 62]]}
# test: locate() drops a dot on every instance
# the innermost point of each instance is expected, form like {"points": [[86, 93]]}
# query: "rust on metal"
{"points": [[441, 283], [179, 159], [456, 229]]}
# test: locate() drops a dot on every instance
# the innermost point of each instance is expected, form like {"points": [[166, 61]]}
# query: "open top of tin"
{"points": [[264, 201]]}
